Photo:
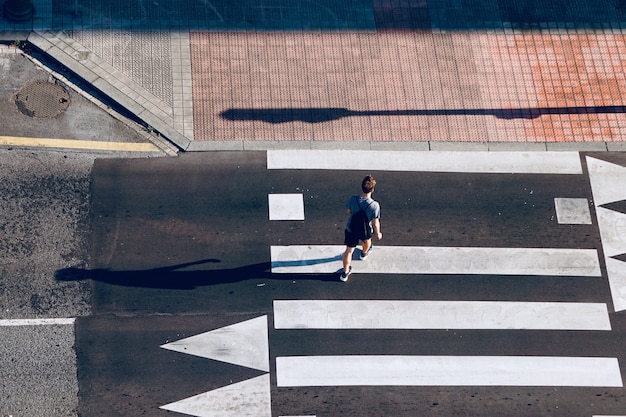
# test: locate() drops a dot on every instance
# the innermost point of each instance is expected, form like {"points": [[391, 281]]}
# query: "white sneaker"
{"points": [[344, 276], [364, 255]]}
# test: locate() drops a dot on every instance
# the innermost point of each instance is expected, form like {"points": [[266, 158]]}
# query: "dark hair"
{"points": [[368, 184]]}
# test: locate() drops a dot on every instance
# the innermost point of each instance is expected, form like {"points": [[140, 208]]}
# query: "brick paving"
{"points": [[360, 71], [409, 86]]}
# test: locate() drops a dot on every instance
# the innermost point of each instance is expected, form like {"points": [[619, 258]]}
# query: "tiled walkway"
{"points": [[368, 71], [409, 86]]}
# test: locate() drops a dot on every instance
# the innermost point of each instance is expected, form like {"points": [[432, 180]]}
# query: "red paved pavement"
{"points": [[460, 86]]}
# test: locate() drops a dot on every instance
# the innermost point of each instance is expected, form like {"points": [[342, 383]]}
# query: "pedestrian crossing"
{"points": [[424, 314], [423, 370]]}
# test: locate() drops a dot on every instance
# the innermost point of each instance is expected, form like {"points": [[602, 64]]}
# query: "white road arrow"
{"points": [[607, 181], [607, 185], [243, 344], [249, 398]]}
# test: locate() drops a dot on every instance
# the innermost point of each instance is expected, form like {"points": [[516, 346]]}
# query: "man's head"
{"points": [[368, 184]]}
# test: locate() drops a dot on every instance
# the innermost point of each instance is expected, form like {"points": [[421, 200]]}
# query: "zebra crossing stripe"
{"points": [[401, 314], [431, 161], [286, 206], [320, 259], [389, 370]]}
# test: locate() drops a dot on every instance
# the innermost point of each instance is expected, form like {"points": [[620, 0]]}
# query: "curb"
{"points": [[243, 145]]}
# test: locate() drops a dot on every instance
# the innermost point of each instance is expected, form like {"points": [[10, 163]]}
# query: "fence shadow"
{"points": [[320, 115]]}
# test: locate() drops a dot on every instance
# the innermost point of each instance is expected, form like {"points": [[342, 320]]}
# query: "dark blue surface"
{"points": [[329, 15]]}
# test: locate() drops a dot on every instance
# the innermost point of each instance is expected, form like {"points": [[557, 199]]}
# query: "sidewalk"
{"points": [[366, 74]]}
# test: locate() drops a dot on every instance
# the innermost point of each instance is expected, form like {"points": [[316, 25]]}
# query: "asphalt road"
{"points": [[181, 247], [44, 227]]}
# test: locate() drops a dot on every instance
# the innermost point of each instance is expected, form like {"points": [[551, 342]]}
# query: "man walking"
{"points": [[364, 216]]}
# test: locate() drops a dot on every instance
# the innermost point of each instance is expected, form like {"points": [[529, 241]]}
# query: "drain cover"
{"points": [[42, 99]]}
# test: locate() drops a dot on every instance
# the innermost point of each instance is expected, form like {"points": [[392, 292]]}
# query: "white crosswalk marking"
{"points": [[427, 314], [355, 370], [399, 314], [424, 370], [286, 206], [572, 211], [607, 184], [471, 162], [320, 259]]}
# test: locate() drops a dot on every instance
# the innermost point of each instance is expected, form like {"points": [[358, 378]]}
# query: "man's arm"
{"points": [[377, 231]]}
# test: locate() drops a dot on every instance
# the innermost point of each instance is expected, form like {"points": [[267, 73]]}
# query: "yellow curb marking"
{"points": [[78, 144]]}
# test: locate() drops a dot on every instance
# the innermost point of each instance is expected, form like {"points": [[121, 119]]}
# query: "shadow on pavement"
{"points": [[315, 15], [175, 278], [320, 115]]}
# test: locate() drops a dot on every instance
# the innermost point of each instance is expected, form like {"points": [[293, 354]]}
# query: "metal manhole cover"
{"points": [[42, 99]]}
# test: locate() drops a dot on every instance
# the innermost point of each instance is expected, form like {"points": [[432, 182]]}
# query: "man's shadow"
{"points": [[174, 277]]}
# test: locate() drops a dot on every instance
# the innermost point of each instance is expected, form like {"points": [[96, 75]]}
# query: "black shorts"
{"points": [[351, 240]]}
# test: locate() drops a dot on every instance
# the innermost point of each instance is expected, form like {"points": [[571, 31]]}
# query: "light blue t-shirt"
{"points": [[358, 203]]}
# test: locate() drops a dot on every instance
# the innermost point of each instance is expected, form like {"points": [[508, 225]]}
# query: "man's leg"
{"points": [[367, 244], [347, 258]]}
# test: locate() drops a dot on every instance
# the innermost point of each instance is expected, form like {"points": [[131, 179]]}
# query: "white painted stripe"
{"points": [[296, 371], [400, 314], [286, 206], [320, 259], [572, 210], [473, 162], [36, 322]]}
